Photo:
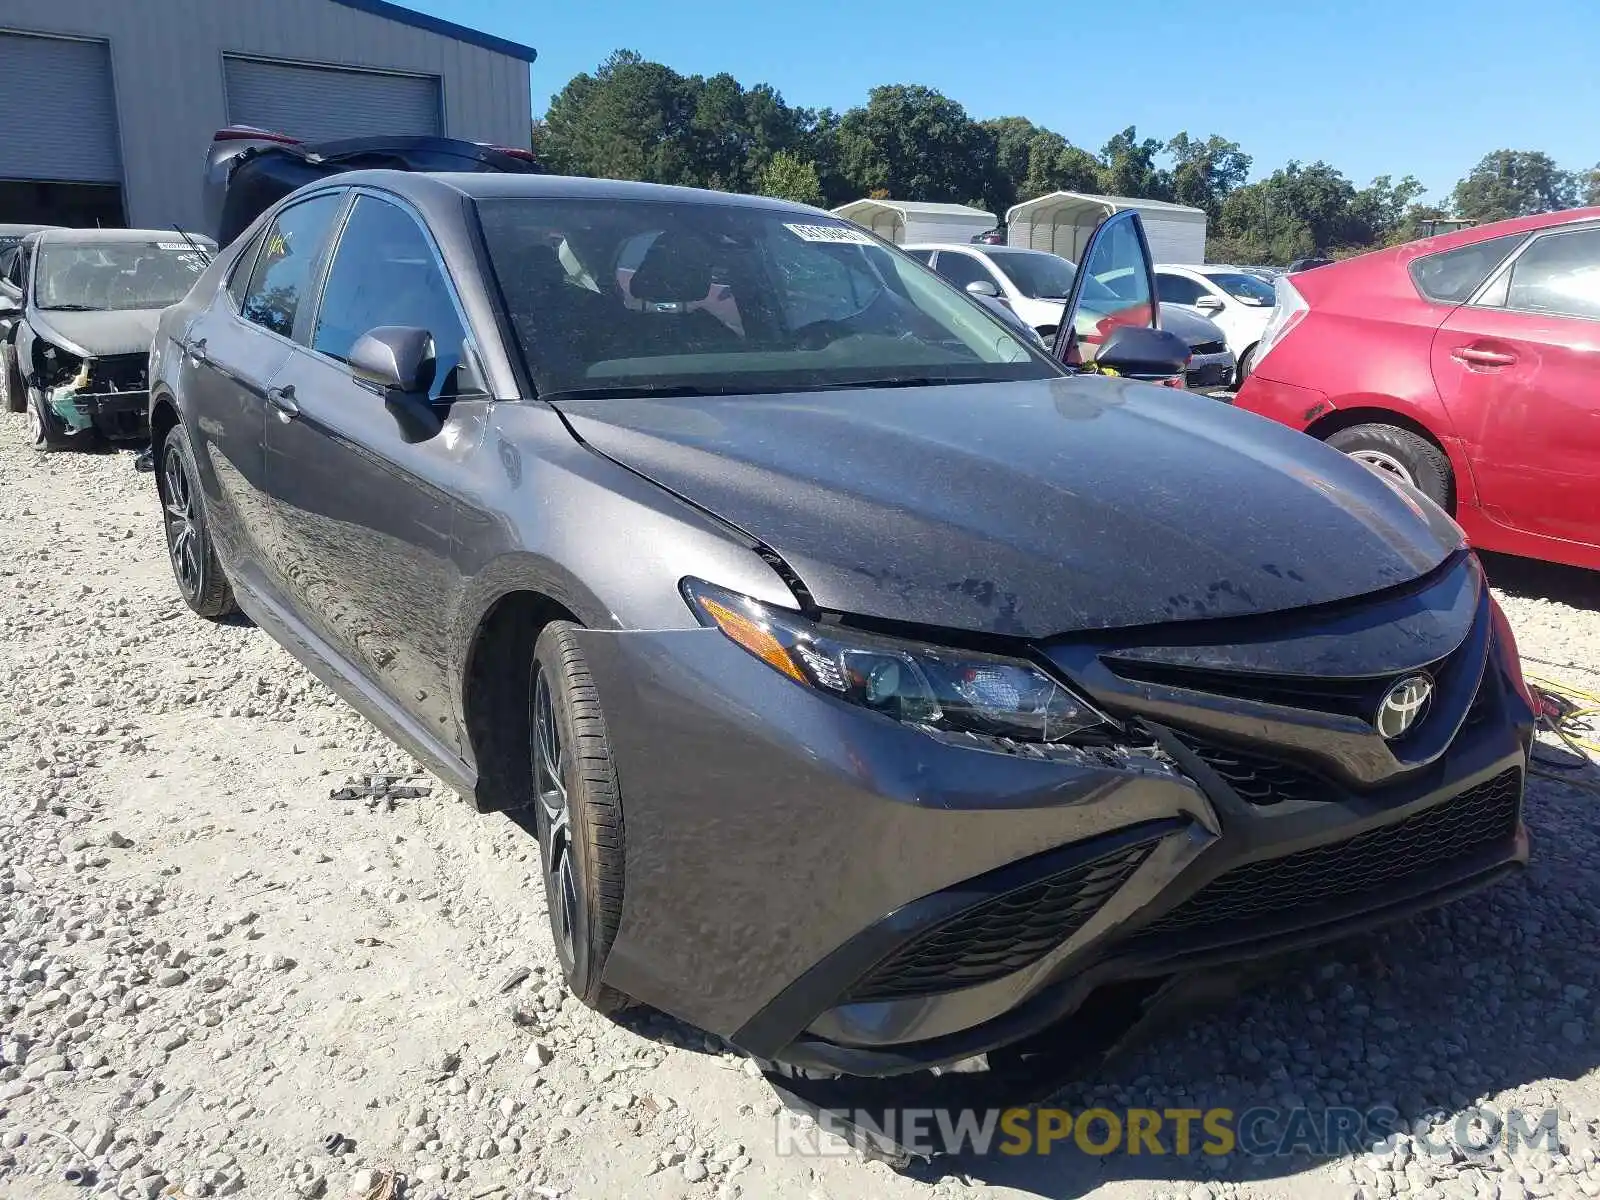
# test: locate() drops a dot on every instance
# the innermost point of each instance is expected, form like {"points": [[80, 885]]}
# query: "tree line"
{"points": [[635, 119]]}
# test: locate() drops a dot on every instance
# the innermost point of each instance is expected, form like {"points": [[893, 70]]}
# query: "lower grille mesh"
{"points": [[1479, 817], [1001, 935], [1256, 778]]}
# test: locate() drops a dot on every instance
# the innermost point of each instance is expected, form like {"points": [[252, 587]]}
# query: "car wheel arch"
{"points": [[1367, 413], [163, 417], [496, 694]]}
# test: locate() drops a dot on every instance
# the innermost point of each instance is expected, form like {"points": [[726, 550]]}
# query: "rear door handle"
{"points": [[1479, 356], [282, 399]]}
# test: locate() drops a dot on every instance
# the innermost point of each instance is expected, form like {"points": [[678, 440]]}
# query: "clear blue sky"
{"points": [[1420, 86]]}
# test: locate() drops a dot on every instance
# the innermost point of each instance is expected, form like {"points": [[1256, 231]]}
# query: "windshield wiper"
{"points": [[68, 308]]}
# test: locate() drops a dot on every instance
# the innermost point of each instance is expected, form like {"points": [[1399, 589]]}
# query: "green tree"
{"points": [[1513, 183], [1203, 173], [1378, 210], [1055, 165], [791, 178], [915, 144], [1589, 185], [634, 119], [1128, 167]]}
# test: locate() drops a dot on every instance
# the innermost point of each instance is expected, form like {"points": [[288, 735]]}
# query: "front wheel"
{"points": [[46, 430], [1399, 454], [200, 579], [12, 396], [1247, 362], [578, 812]]}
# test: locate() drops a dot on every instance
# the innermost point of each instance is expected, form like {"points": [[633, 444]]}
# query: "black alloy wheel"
{"points": [[577, 813], [194, 561]]}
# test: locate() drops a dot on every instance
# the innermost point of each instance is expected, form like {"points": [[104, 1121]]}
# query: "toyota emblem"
{"points": [[1403, 705]]}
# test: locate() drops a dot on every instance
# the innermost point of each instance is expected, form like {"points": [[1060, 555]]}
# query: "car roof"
{"points": [[16, 230], [488, 185], [100, 237]]}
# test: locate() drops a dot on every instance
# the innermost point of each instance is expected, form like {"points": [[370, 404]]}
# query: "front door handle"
{"points": [[1480, 356], [197, 352], [282, 399]]}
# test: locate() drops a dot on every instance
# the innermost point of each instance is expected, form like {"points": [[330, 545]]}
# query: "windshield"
{"points": [[1250, 289], [1034, 273], [108, 276], [610, 296]]}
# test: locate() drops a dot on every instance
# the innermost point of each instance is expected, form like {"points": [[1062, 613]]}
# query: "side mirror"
{"points": [[1140, 352], [1209, 304], [982, 287], [10, 306], [397, 362], [394, 357]]}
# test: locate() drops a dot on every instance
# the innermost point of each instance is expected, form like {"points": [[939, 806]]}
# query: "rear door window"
{"points": [[1451, 276], [285, 267]]}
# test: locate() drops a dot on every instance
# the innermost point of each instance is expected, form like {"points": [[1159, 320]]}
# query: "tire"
{"points": [[1247, 362], [1402, 454], [46, 431], [13, 397], [190, 551], [580, 823]]}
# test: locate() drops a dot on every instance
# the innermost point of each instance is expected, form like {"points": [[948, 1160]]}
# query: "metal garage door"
{"points": [[60, 112], [318, 103]]}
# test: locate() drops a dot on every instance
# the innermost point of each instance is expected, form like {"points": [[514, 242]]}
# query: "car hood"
{"points": [[1029, 509], [1190, 326], [97, 334]]}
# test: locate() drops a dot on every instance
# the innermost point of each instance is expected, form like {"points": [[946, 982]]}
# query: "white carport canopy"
{"points": [[901, 221], [1062, 221]]}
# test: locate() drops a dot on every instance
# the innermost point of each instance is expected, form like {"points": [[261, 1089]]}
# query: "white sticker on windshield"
{"points": [[840, 234], [173, 246]]}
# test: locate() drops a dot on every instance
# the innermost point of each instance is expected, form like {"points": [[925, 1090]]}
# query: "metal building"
{"points": [[109, 105]]}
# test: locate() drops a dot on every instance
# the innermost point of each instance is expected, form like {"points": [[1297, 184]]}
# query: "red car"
{"points": [[1467, 365]]}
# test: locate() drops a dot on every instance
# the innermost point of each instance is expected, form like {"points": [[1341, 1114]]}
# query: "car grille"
{"points": [[1358, 868], [1001, 935], [1256, 778], [1347, 697], [1208, 347], [1215, 375], [120, 373]]}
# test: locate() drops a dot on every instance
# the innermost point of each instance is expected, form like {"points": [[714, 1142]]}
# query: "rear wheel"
{"points": [[1399, 454], [578, 814], [194, 559]]}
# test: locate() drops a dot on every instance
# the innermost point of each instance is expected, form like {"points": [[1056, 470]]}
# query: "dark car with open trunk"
{"points": [[880, 685]]}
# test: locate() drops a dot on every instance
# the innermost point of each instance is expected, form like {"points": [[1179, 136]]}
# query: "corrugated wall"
{"points": [[166, 59]]}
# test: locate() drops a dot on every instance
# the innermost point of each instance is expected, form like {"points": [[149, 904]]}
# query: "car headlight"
{"points": [[935, 688]]}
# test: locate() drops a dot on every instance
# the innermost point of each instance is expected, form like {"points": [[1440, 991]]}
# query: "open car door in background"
{"points": [[1114, 285]]}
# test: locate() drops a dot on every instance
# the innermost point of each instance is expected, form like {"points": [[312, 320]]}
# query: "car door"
{"points": [[231, 353], [1114, 285], [1516, 368], [366, 516]]}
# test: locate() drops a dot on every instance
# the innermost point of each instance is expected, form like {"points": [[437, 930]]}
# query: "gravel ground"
{"points": [[238, 928]]}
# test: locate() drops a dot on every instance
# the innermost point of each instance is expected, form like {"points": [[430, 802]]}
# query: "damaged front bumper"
{"points": [[832, 890], [112, 397]]}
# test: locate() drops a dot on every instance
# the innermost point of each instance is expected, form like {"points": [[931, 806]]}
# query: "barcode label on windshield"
{"points": [[173, 246], [841, 234]]}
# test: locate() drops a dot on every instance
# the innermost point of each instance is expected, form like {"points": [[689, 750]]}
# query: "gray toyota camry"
{"points": [[882, 686]]}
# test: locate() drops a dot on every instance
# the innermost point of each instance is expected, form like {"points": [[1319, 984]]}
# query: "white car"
{"points": [[1034, 284], [1238, 300]]}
